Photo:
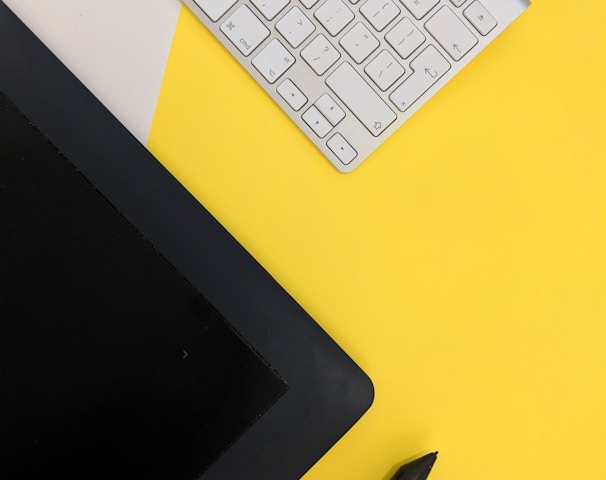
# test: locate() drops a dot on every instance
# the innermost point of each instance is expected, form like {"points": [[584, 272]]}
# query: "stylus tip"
{"points": [[417, 469]]}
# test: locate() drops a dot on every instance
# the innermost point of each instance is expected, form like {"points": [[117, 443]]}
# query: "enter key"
{"points": [[429, 66]]}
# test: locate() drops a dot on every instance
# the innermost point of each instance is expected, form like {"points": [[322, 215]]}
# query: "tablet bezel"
{"points": [[328, 392]]}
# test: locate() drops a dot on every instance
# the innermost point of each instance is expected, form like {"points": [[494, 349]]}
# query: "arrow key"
{"points": [[317, 122], [342, 149], [329, 108], [446, 27], [291, 93]]}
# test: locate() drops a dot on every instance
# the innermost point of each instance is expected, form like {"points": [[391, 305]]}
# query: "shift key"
{"points": [[361, 99]]}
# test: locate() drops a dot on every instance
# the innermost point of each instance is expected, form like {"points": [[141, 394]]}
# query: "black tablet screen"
{"points": [[111, 365]]}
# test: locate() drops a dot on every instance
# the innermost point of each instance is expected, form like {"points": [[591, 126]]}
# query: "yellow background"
{"points": [[463, 265]]}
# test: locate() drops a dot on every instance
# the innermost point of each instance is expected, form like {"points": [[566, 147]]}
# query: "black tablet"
{"points": [[138, 339]]}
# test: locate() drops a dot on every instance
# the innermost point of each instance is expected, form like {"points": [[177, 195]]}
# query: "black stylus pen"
{"points": [[417, 469]]}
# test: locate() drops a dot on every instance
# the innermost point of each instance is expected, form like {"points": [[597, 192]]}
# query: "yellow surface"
{"points": [[463, 265]]}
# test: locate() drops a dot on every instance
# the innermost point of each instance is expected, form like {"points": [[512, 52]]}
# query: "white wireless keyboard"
{"points": [[350, 72]]}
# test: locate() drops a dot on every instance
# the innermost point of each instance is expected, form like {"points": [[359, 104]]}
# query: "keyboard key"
{"points": [[342, 149], [317, 122], [480, 18], [361, 99], [405, 38], [446, 27], [215, 9], [245, 30], [419, 8], [428, 68], [295, 27], [349, 72], [270, 8], [334, 16], [359, 42], [379, 13], [291, 93], [384, 70], [273, 61], [320, 54], [329, 108]]}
